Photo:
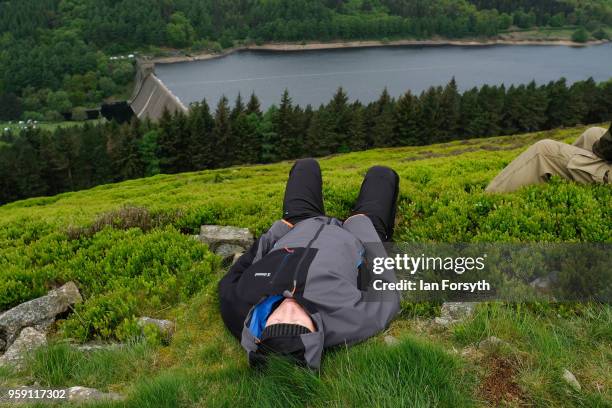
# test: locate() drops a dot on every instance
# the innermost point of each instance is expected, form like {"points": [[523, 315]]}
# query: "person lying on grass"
{"points": [[296, 291], [588, 160]]}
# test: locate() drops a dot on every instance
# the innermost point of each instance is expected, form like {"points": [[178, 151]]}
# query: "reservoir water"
{"points": [[313, 76]]}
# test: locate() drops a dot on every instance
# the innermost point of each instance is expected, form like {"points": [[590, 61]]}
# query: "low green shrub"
{"points": [[124, 273], [125, 246], [121, 274]]}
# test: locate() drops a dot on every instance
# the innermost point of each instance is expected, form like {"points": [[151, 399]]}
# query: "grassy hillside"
{"points": [[128, 248]]}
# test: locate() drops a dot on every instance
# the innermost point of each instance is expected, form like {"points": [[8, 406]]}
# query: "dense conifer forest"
{"points": [[60, 56], [39, 162]]}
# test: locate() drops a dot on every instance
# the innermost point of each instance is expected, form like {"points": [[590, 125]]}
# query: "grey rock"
{"points": [[166, 327], [491, 343], [570, 378], [29, 340], [391, 341], [44, 325], [2, 345], [227, 252], [442, 321], [92, 347], [40, 312], [215, 235], [455, 312], [84, 394], [546, 283]]}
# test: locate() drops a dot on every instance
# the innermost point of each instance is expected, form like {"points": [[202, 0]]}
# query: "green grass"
{"points": [[60, 364], [127, 246]]}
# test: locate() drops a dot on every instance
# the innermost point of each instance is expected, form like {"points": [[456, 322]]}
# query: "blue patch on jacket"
{"points": [[261, 313]]}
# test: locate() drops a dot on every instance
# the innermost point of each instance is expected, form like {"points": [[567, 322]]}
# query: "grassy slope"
{"points": [[441, 200]]}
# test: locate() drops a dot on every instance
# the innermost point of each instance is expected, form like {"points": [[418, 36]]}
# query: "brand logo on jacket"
{"points": [[263, 274]]}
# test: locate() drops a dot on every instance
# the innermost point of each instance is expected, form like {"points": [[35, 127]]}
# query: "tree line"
{"points": [[38, 162], [55, 54]]}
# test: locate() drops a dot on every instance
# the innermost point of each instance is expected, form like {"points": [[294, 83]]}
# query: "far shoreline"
{"points": [[321, 46]]}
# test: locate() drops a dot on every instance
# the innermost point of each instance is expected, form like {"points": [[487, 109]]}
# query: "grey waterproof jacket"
{"points": [[319, 262]]}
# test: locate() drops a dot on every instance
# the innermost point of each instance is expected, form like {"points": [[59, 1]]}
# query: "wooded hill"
{"points": [[56, 53]]}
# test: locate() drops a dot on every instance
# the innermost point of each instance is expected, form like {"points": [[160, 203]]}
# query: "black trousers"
{"points": [[377, 197]]}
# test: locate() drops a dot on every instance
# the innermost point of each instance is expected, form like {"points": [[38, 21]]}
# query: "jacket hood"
{"points": [[311, 343]]}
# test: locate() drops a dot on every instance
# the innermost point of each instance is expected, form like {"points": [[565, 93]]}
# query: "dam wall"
{"points": [[151, 97]]}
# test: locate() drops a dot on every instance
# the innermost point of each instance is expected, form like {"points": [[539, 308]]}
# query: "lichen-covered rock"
{"points": [[545, 284], [92, 347], [570, 378], [228, 252], [491, 343], [216, 235], [40, 312], [166, 327], [84, 394], [391, 341], [29, 340], [455, 312]]}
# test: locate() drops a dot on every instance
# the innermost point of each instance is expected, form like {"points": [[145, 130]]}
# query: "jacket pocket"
{"points": [[274, 273]]}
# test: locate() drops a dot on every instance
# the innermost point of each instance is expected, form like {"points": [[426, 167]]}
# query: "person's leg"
{"points": [[378, 199], [535, 165], [589, 137], [304, 192]]}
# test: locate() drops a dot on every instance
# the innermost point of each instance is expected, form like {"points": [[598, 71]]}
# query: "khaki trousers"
{"points": [[547, 157]]}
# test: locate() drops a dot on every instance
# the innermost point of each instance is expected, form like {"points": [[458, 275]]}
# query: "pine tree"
{"points": [[340, 113], [269, 137], [491, 102], [471, 120], [318, 136], [406, 131], [383, 126], [202, 145], [253, 106], [166, 144], [93, 163], [251, 138], [357, 128], [182, 142], [125, 154], [238, 107], [285, 127], [559, 111], [449, 111], [430, 116], [535, 100], [8, 186], [28, 166], [590, 94], [222, 134], [66, 151]]}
